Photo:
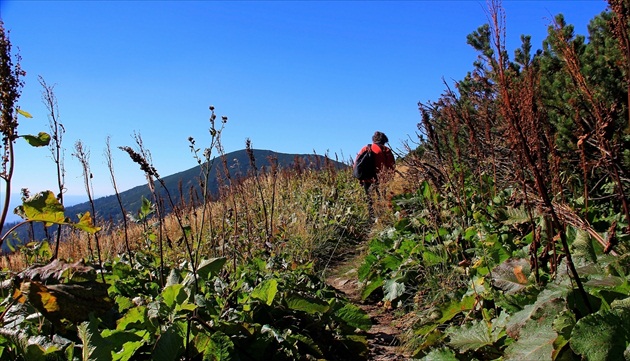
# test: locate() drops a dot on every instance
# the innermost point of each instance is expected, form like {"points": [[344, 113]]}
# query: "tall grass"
{"points": [[305, 213]]}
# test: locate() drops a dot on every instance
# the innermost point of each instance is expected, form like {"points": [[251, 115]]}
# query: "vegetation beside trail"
{"points": [[503, 235]]}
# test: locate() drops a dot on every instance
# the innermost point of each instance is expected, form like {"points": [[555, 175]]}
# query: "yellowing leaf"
{"points": [[48, 300], [19, 296], [24, 113], [86, 224], [44, 207], [38, 295], [512, 276], [518, 273]]}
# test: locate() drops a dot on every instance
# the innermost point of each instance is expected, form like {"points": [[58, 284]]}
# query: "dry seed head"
{"points": [[140, 160], [10, 87]]}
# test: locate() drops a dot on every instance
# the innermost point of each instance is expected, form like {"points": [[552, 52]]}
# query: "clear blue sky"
{"points": [[295, 77]]}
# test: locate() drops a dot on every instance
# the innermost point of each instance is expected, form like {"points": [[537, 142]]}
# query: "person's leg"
{"points": [[368, 195]]}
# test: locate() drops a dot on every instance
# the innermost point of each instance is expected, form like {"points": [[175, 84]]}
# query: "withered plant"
{"points": [[57, 131], [83, 156], [123, 212]]}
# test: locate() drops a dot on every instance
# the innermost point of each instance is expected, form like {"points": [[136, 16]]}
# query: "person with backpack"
{"points": [[373, 160]]}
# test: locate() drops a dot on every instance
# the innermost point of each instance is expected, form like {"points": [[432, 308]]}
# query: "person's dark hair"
{"points": [[379, 138]]}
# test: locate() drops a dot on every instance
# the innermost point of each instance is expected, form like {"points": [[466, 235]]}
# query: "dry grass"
{"points": [[312, 210]]}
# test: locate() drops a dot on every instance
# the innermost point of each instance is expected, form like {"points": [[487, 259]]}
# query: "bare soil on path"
{"points": [[383, 337]]}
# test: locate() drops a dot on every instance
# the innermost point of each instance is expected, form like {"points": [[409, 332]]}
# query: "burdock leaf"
{"points": [[71, 302], [220, 348], [471, 336], [206, 270], [370, 287], [511, 276], [210, 267], [306, 304], [266, 291], [535, 341], [169, 344], [43, 207], [41, 140], [443, 354], [393, 290], [354, 316], [173, 295], [602, 335]]}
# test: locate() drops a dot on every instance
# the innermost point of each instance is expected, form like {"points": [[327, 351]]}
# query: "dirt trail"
{"points": [[383, 337]]}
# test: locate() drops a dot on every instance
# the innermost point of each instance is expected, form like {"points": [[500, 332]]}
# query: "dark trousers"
{"points": [[369, 188]]}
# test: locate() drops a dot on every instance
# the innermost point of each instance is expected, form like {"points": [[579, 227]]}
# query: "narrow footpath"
{"points": [[383, 337]]}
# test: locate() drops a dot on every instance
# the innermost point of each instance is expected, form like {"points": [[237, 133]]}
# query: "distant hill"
{"points": [[107, 208]]}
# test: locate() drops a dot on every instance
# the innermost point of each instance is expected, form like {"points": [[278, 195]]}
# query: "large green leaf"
{"points": [[266, 291], [370, 287], [40, 140], [207, 269], [306, 304], [43, 207], [356, 345], [312, 346], [220, 348], [135, 317], [170, 345], [477, 334], [552, 298], [210, 267], [354, 316], [391, 262], [471, 336], [496, 251], [582, 247], [535, 340], [533, 327], [95, 347], [173, 295], [449, 311], [443, 354], [124, 344], [603, 335], [128, 350], [34, 352]]}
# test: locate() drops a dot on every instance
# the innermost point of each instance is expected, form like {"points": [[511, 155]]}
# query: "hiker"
{"points": [[379, 162]]}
